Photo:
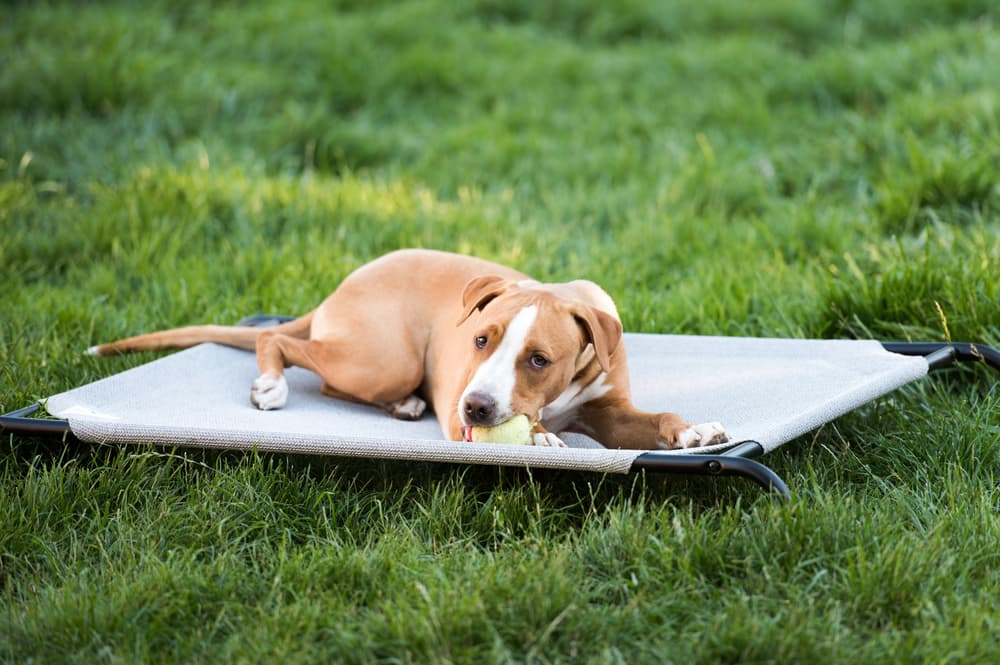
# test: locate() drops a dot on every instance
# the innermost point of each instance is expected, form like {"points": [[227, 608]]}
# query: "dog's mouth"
{"points": [[467, 427], [515, 430]]}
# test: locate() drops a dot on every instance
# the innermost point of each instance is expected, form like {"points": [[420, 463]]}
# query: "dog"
{"points": [[478, 341]]}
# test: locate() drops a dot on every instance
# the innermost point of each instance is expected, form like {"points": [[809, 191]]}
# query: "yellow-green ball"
{"points": [[516, 431]]}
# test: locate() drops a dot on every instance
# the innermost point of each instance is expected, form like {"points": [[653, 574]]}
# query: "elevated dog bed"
{"points": [[765, 391]]}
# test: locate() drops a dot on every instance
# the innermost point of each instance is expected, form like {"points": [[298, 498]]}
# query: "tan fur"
{"points": [[403, 327]]}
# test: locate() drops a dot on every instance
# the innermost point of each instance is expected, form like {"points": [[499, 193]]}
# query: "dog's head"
{"points": [[527, 343]]}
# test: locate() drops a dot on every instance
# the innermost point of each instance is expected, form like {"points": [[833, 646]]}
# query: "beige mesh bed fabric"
{"points": [[764, 390]]}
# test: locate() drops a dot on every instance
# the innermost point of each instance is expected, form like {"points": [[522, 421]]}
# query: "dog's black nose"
{"points": [[479, 409]]}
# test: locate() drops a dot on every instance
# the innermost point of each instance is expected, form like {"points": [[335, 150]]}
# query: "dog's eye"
{"points": [[481, 342], [538, 361]]}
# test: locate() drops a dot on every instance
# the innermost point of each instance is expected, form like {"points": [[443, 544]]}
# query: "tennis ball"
{"points": [[516, 431]]}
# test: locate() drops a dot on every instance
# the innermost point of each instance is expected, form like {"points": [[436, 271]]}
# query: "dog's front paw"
{"points": [[706, 434], [269, 392], [547, 439], [693, 436]]}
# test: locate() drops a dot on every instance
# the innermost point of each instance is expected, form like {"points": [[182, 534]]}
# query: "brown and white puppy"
{"points": [[478, 341]]}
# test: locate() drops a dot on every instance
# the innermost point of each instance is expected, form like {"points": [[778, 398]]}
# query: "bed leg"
{"points": [[21, 422], [715, 465]]}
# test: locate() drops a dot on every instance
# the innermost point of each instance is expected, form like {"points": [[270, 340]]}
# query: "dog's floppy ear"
{"points": [[602, 330], [479, 292]]}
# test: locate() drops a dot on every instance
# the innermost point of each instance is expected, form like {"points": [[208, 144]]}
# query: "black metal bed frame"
{"points": [[736, 461]]}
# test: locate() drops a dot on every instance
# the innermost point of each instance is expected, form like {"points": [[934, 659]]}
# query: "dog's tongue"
{"points": [[467, 434]]}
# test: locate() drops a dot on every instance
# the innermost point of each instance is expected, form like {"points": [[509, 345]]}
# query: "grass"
{"points": [[822, 169]]}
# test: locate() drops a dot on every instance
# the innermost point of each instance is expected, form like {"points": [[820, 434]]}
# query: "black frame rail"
{"points": [[737, 461]]}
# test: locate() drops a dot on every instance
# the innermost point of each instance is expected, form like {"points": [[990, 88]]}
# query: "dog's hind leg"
{"points": [[408, 408], [353, 371]]}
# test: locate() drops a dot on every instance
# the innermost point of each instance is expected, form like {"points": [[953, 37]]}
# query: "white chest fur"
{"points": [[559, 413]]}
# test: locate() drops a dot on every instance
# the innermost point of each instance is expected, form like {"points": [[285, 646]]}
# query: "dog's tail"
{"points": [[242, 337]]}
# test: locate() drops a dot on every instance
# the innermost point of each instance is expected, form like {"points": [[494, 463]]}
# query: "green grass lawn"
{"points": [[774, 168]]}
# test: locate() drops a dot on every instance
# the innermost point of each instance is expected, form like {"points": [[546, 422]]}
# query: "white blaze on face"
{"points": [[496, 377]]}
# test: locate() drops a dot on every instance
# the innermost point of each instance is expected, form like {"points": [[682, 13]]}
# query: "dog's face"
{"points": [[527, 343]]}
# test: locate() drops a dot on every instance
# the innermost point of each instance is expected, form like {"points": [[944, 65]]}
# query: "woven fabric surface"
{"points": [[766, 390]]}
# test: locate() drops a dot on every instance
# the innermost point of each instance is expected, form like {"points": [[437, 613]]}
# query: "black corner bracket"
{"points": [[20, 421], [734, 462], [942, 354]]}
